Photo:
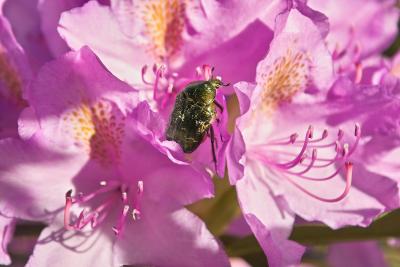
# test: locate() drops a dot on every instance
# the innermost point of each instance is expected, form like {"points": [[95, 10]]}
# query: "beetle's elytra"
{"points": [[193, 115]]}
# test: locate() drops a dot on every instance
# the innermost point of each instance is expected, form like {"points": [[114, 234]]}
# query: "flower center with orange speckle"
{"points": [[164, 21], [99, 128], [10, 79], [287, 76]]}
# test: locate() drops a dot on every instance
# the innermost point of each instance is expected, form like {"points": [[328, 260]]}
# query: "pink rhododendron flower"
{"points": [[87, 138], [15, 75], [83, 145], [289, 166]]}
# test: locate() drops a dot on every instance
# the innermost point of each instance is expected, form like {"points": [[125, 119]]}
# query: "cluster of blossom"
{"points": [[87, 88]]}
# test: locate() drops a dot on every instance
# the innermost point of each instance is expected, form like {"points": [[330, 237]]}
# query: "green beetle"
{"points": [[193, 115]]}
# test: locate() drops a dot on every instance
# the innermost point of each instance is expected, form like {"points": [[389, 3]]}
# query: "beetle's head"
{"points": [[217, 80]]}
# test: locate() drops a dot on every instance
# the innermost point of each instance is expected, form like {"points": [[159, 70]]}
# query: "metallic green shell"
{"points": [[193, 114]]}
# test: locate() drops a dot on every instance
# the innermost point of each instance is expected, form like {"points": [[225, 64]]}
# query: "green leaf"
{"points": [[241, 246], [219, 211], [384, 227]]}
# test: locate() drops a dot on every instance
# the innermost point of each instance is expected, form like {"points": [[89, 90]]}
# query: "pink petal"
{"points": [[269, 218], [236, 146], [116, 50], [57, 246], [7, 226], [234, 158], [168, 239], [50, 12], [25, 186], [374, 34], [235, 59], [25, 21]]}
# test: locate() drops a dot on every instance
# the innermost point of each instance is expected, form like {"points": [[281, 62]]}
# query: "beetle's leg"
{"points": [[221, 109], [212, 138], [219, 106]]}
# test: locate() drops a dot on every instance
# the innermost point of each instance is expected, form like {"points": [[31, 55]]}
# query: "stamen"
{"points": [[357, 51], [137, 203], [357, 130], [140, 187], [313, 158], [330, 161], [357, 134], [349, 176], [92, 217], [95, 217], [159, 74], [282, 141], [106, 187], [207, 72], [154, 68], [345, 150], [199, 72], [117, 229], [135, 214], [84, 220], [144, 70], [309, 162], [296, 160], [293, 138], [324, 134], [310, 132], [67, 210], [340, 134], [359, 72], [336, 172], [337, 52]]}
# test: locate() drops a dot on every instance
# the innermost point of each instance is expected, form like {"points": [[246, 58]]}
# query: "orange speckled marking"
{"points": [[99, 128], [11, 79], [288, 75], [164, 21]]}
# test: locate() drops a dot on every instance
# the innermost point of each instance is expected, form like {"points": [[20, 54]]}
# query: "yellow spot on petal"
{"points": [[10, 79], [99, 129], [164, 21], [280, 81]]}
